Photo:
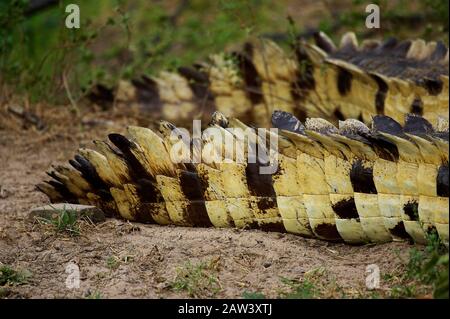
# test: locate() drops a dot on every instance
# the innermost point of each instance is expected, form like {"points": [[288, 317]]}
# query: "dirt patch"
{"points": [[120, 259]]}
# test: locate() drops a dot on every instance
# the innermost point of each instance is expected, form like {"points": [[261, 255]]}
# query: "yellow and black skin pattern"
{"points": [[349, 183], [361, 144], [318, 79]]}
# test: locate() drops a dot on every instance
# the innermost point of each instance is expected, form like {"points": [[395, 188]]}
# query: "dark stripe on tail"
{"points": [[380, 97], [261, 186], [411, 209], [147, 190], [346, 209], [328, 231], [433, 86], [384, 148], [304, 81], [101, 95], [148, 94], [442, 181], [198, 82], [344, 81], [400, 231], [192, 188], [250, 75], [89, 173], [63, 191], [362, 178]]}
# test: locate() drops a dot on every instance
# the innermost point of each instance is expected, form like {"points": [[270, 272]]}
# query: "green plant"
{"points": [[440, 9], [441, 283], [112, 262], [117, 39], [11, 16], [197, 280], [94, 295], [404, 291], [426, 267], [304, 289], [253, 295], [11, 276], [64, 221], [423, 264]]}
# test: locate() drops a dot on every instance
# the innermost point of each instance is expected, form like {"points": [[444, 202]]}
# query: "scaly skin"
{"points": [[349, 183], [392, 78]]}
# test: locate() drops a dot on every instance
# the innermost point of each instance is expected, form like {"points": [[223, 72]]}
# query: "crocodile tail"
{"points": [[319, 79], [349, 183], [392, 78]]}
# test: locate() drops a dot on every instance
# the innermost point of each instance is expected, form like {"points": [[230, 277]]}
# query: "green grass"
{"points": [[304, 289], [197, 280], [253, 295], [430, 266], [425, 272], [112, 262], [39, 50], [440, 284], [94, 295], [316, 283], [11, 276], [63, 221]]}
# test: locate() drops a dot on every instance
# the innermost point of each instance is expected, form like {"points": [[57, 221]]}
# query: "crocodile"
{"points": [[349, 183], [359, 135], [319, 79]]}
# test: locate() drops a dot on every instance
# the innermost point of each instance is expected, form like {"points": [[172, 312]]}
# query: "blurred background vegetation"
{"points": [[41, 60]]}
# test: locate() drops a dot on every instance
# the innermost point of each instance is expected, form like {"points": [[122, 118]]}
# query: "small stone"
{"points": [[267, 264], [95, 214], [4, 193]]}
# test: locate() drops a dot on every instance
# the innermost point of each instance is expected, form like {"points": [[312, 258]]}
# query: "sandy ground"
{"points": [[148, 256]]}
